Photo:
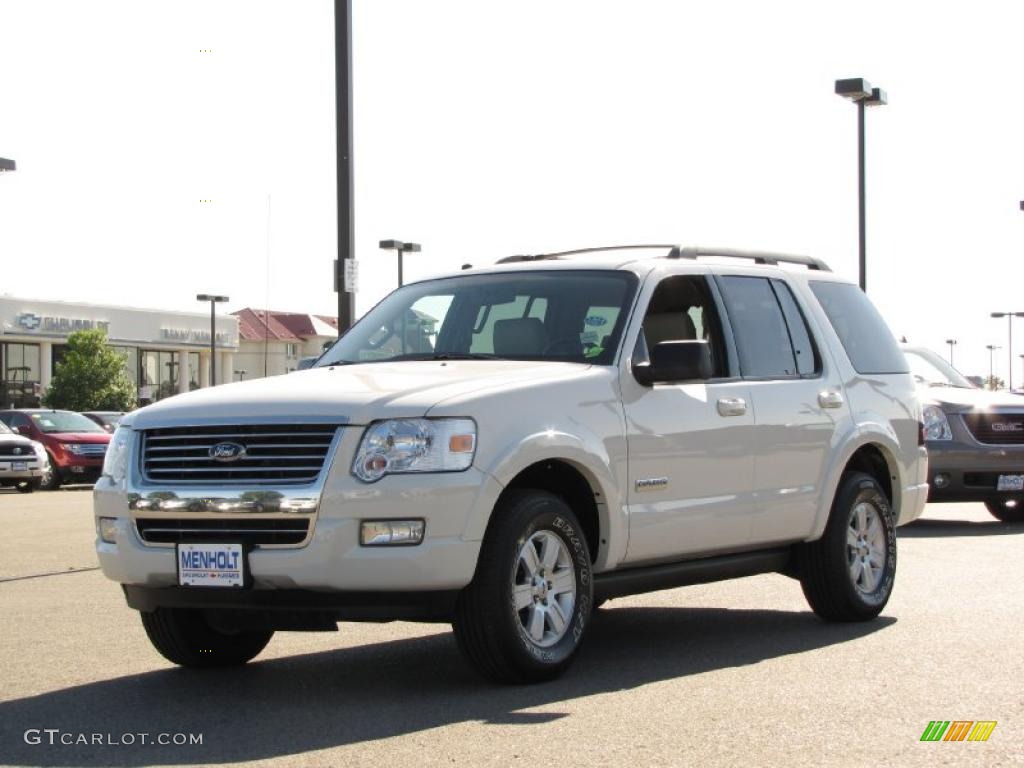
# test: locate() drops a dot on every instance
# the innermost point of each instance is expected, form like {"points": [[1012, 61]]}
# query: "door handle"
{"points": [[830, 399], [731, 406]]}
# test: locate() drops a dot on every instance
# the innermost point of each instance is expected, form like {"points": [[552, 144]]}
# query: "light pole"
{"points": [[214, 301], [399, 247], [952, 343], [859, 91], [1009, 326], [991, 366], [7, 165]]}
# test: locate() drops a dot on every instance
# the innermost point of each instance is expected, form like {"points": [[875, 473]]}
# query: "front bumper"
{"points": [[969, 471], [34, 469]]}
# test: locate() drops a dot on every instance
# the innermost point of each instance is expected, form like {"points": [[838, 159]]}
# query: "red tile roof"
{"points": [[258, 324]]}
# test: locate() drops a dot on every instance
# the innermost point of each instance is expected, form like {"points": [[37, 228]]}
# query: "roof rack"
{"points": [[758, 257], [680, 252]]}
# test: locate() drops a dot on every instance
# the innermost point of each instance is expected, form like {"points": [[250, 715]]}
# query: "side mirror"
{"points": [[675, 361]]}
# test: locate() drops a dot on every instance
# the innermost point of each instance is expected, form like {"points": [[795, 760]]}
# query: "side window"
{"points": [[681, 309], [808, 362], [863, 333], [762, 338]]}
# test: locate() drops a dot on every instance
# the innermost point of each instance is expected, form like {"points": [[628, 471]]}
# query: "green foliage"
{"points": [[994, 383], [91, 377]]}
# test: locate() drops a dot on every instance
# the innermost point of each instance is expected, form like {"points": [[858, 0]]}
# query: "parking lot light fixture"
{"points": [[1009, 326], [400, 248], [214, 301], [7, 165], [952, 343], [860, 92]]}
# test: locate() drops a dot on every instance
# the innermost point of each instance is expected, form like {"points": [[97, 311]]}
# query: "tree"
{"points": [[91, 376], [994, 383]]}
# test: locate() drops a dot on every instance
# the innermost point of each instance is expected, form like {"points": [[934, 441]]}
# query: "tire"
{"points": [[848, 574], [28, 486], [539, 640], [1000, 511], [183, 636], [50, 481]]}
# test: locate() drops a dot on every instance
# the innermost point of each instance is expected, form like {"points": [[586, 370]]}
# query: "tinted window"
{"points": [[863, 333], [762, 338], [807, 362]]}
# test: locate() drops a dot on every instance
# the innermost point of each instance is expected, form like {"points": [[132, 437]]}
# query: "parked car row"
{"points": [[60, 447]]}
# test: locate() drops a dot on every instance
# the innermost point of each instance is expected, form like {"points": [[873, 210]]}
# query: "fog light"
{"points": [[389, 533], [107, 527], [941, 480]]}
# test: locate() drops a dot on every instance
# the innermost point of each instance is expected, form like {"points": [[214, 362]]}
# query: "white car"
{"points": [[508, 447], [23, 462]]}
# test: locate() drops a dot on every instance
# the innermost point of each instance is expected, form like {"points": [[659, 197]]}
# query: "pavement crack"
{"points": [[51, 573]]}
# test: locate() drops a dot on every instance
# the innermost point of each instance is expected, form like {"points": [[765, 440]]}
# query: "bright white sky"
{"points": [[489, 128]]}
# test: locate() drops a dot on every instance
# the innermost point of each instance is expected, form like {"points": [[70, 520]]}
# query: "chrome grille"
{"points": [[16, 453], [92, 449], [996, 428], [275, 531], [274, 453]]}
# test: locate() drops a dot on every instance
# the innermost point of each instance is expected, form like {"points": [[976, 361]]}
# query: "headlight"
{"points": [[74, 448], [115, 463], [415, 445], [40, 450], [936, 425]]}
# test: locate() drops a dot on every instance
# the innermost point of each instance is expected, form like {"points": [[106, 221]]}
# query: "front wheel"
{"points": [[848, 574], [1001, 510], [184, 636], [523, 616], [50, 481], [27, 486]]}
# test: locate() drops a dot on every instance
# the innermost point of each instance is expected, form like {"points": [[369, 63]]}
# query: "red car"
{"points": [[75, 444]]}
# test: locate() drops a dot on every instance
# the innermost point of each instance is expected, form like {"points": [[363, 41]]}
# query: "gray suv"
{"points": [[975, 438]]}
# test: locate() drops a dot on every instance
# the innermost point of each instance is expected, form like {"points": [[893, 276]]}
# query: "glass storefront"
{"points": [[158, 373], [20, 368]]}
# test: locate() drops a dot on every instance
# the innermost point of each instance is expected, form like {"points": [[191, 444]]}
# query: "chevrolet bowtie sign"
{"points": [[29, 321]]}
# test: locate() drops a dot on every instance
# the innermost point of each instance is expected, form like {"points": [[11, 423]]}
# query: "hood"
{"points": [[14, 439], [347, 394], [78, 437], [959, 399]]}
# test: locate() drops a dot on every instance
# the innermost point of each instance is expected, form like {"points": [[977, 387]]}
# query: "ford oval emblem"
{"points": [[227, 452]]}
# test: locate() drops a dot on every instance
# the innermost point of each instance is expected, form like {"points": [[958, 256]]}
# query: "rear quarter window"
{"points": [[861, 330]]}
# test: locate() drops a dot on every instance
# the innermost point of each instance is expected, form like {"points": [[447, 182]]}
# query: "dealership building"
{"points": [[166, 352]]}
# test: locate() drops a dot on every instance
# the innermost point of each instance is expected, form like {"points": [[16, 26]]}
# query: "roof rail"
{"points": [[758, 257], [681, 252], [560, 254]]}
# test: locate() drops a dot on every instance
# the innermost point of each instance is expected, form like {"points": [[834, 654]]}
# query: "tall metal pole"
{"points": [[346, 203], [213, 343], [862, 224], [400, 283]]}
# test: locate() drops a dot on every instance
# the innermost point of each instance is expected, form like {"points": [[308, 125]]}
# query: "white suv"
{"points": [[507, 448]]}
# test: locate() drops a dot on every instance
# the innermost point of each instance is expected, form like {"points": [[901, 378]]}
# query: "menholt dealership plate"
{"points": [[211, 565]]}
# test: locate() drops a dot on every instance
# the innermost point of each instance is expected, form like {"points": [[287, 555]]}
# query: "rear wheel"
{"points": [[523, 616], [184, 636], [1001, 510], [848, 574]]}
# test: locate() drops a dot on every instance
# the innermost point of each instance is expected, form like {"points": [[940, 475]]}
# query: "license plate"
{"points": [[211, 565], [19, 466], [1010, 483]]}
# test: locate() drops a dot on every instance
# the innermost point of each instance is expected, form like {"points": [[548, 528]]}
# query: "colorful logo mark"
{"points": [[958, 730]]}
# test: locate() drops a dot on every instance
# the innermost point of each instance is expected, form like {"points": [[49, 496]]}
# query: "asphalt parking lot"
{"points": [[733, 673]]}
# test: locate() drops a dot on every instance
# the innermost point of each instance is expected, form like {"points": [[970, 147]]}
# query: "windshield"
{"points": [[567, 315], [64, 421], [928, 368]]}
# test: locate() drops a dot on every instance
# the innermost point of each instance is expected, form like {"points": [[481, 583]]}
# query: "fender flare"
{"points": [[557, 445]]}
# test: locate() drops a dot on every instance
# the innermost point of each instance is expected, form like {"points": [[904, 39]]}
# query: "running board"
{"points": [[633, 581]]}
